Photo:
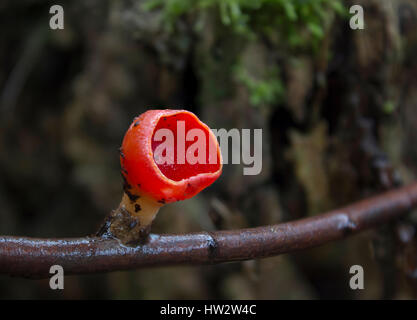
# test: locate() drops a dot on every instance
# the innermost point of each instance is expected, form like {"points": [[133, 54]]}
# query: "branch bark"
{"points": [[31, 257]]}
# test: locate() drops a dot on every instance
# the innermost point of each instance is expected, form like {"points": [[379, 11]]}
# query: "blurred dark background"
{"points": [[338, 108]]}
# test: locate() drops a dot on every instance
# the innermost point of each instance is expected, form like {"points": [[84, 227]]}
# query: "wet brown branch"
{"points": [[31, 257]]}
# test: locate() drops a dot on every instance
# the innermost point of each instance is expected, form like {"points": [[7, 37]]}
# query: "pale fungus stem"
{"points": [[141, 206], [131, 221]]}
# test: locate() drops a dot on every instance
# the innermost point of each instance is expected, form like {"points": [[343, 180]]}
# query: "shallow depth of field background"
{"points": [[338, 110]]}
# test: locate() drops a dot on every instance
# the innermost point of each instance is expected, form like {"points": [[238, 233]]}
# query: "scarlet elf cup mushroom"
{"points": [[166, 156]]}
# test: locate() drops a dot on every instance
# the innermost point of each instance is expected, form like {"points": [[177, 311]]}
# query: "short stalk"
{"points": [[131, 221]]}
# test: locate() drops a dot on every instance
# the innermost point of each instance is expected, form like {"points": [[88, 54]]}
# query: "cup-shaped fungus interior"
{"points": [[183, 147]]}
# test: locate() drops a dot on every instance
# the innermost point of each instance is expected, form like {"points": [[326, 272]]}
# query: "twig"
{"points": [[29, 257]]}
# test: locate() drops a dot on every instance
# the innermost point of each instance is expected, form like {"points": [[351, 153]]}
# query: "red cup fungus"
{"points": [[166, 156]]}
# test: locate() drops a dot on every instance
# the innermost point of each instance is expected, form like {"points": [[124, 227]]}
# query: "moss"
{"points": [[264, 91], [295, 20], [292, 26], [389, 107]]}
